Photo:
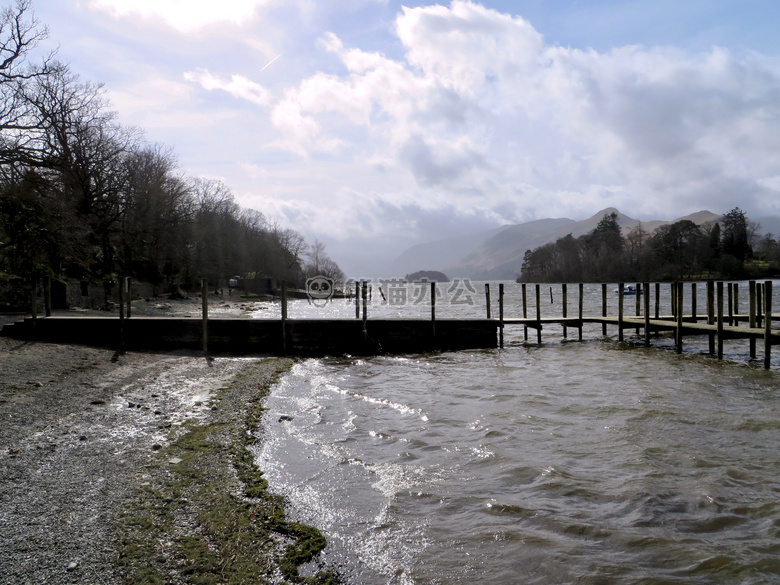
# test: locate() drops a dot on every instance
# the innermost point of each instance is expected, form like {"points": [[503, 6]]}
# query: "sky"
{"points": [[373, 125]]}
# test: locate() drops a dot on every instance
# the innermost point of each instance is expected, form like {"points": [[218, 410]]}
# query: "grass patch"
{"points": [[209, 519]]}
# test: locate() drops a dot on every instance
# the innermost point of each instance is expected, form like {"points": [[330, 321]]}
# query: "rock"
{"points": [[156, 447], [175, 460], [98, 402], [82, 438], [73, 565], [131, 405], [285, 417]]}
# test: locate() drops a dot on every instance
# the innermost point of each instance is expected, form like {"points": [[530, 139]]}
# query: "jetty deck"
{"points": [[363, 336]]}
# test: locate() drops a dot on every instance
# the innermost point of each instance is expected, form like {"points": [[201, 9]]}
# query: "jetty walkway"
{"points": [[721, 320]]}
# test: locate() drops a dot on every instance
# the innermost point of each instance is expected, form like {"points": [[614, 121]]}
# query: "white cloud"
{"points": [[481, 106], [238, 86], [183, 15]]}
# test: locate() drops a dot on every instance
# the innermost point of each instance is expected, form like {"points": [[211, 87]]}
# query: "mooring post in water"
{"points": [[646, 291], [694, 318], [204, 293], [604, 307], [638, 303], [720, 318], [525, 312], [487, 299], [729, 301], [678, 301], [284, 316], [47, 295], [565, 296], [501, 315], [673, 297], [582, 288], [752, 315], [767, 323], [759, 303], [735, 288], [711, 313], [657, 300], [121, 317], [433, 308], [364, 295], [621, 286], [538, 314]]}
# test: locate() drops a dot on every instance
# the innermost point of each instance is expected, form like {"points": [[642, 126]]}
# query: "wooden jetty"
{"points": [[721, 321]]}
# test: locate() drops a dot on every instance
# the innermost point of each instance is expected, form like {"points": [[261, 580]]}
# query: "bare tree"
{"points": [[20, 34]]}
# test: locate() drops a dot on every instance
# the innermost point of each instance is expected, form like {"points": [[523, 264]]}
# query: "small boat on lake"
{"points": [[628, 290]]}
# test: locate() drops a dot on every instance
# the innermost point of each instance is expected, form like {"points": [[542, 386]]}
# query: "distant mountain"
{"points": [[439, 253], [498, 254]]}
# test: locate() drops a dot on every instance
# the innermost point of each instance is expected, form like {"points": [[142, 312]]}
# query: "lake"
{"points": [[587, 462]]}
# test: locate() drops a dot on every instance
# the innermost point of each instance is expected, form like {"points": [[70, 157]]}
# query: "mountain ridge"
{"points": [[498, 254]]}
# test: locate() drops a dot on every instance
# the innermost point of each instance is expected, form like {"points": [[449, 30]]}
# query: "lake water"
{"points": [[587, 462]]}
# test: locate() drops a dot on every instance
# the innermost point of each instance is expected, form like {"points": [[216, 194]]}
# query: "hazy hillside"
{"points": [[435, 255], [498, 254]]}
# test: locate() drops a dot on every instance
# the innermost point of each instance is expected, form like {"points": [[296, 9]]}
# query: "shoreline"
{"points": [[136, 469]]}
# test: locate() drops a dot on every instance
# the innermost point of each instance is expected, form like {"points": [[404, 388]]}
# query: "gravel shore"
{"points": [[88, 438]]}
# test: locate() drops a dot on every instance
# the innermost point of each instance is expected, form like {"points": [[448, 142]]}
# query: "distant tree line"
{"points": [[84, 197], [728, 248]]}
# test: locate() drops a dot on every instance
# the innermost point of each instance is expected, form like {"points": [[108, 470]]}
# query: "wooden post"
{"points": [[501, 315], [283, 307], [34, 300], [121, 317], [694, 318], [673, 296], [128, 290], [729, 301], [364, 295], [646, 292], [487, 299], [720, 319], [564, 294], [604, 307], [677, 287], [752, 315], [538, 315], [711, 313], [47, 295], [582, 301], [433, 307], [759, 303], [621, 297], [768, 323], [204, 293], [638, 303], [735, 287], [657, 300], [525, 313], [357, 300]]}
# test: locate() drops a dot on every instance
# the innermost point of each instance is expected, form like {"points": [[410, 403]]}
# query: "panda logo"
{"points": [[319, 289]]}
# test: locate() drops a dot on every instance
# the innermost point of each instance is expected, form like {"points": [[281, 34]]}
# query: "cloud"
{"points": [[238, 86], [182, 15], [479, 104]]}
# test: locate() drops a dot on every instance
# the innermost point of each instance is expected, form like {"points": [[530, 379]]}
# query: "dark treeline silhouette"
{"points": [[84, 197], [727, 248]]}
